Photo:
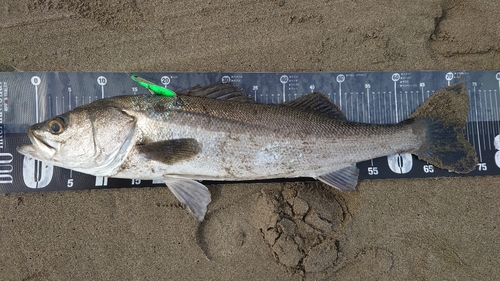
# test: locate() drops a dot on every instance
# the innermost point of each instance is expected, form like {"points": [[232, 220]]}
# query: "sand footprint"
{"points": [[301, 221]]}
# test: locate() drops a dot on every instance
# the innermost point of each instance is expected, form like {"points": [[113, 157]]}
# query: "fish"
{"points": [[216, 132]]}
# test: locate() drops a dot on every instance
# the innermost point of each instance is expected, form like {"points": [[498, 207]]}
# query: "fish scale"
{"points": [[295, 132], [374, 97]]}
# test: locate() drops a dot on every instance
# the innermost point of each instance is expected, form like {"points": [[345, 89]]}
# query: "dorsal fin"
{"points": [[319, 103], [218, 91]]}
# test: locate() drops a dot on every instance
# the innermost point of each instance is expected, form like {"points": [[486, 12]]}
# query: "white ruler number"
{"points": [[101, 80], [372, 171], [165, 80], [428, 169]]}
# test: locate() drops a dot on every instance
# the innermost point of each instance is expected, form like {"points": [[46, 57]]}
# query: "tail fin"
{"points": [[443, 117]]}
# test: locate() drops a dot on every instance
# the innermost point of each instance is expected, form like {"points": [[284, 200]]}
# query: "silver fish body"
{"points": [[195, 136]]}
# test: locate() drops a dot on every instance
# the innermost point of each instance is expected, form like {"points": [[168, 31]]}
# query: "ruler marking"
{"points": [[365, 118], [284, 90], [477, 127], [368, 104], [488, 118], [469, 119], [395, 102], [496, 111], [37, 116], [496, 96], [385, 108], [340, 95], [407, 108], [352, 107], [57, 106], [50, 108], [471, 114], [358, 113], [481, 117]]}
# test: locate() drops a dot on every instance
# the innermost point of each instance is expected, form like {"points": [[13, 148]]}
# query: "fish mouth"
{"points": [[40, 148]]}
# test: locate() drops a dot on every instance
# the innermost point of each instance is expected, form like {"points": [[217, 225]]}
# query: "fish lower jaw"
{"points": [[26, 149], [42, 154], [39, 148]]}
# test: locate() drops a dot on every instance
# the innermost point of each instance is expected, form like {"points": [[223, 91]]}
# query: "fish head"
{"points": [[86, 138]]}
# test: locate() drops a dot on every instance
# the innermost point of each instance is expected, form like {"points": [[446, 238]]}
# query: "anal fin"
{"points": [[191, 193], [344, 179]]}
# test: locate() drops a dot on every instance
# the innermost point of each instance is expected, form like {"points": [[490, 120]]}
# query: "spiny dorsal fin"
{"points": [[218, 91], [319, 103]]}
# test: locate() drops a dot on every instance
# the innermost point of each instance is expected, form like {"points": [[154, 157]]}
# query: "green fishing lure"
{"points": [[152, 87]]}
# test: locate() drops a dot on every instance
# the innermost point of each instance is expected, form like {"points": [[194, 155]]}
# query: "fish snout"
{"points": [[40, 147]]}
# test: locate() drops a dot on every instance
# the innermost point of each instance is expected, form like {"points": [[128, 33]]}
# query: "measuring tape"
{"points": [[368, 97]]}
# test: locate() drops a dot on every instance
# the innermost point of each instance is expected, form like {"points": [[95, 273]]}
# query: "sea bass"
{"points": [[216, 133]]}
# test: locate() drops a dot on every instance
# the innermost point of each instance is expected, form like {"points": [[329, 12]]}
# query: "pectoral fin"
{"points": [[343, 179], [191, 193], [170, 151]]}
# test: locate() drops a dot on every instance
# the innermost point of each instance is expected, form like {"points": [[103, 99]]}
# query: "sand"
{"points": [[433, 229]]}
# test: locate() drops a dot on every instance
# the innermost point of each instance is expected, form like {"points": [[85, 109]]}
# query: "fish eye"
{"points": [[56, 125]]}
